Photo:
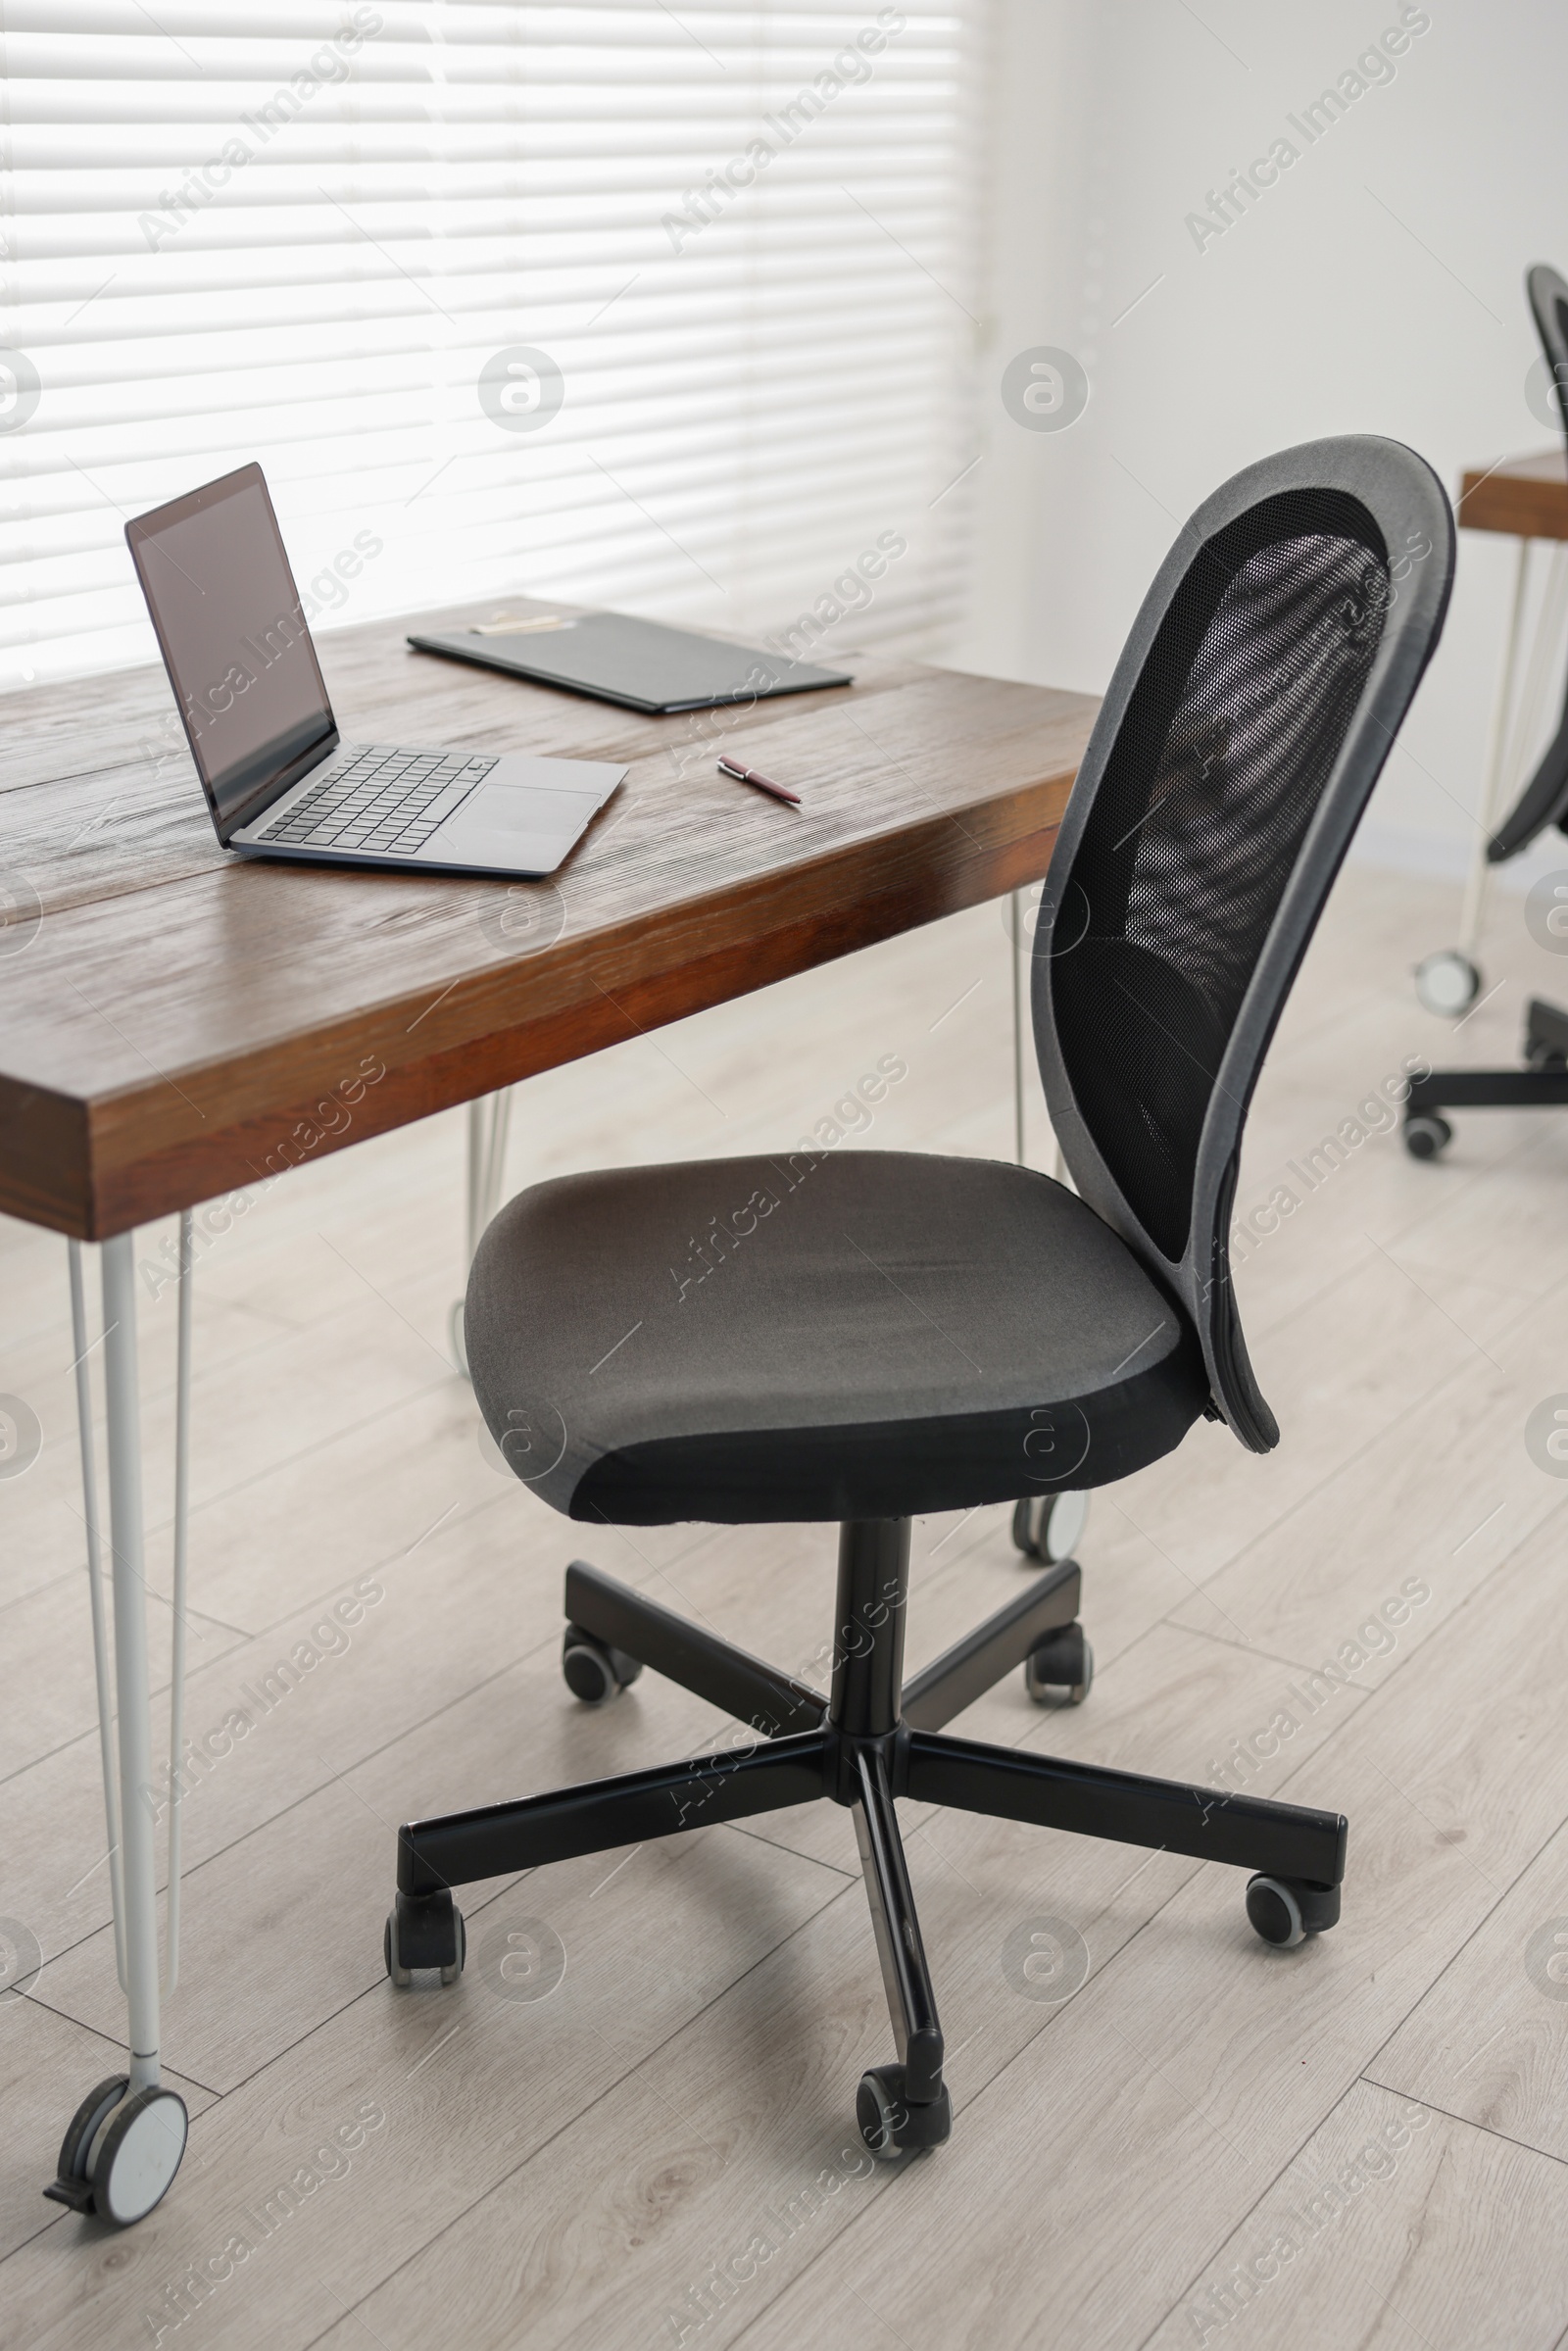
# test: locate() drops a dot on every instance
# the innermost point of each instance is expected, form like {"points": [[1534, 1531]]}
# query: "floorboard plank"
{"points": [[1395, 2226], [1490, 2040]]}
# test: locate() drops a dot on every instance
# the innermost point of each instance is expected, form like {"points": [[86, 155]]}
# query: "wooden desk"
{"points": [[1525, 497], [182, 1012], [176, 1023]]}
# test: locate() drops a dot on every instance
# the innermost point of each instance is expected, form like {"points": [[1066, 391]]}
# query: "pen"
{"points": [[749, 775]]}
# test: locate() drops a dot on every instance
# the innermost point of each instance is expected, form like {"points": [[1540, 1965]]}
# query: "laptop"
{"points": [[279, 780]]}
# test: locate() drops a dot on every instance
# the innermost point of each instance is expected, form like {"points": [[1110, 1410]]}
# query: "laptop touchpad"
{"points": [[510, 828], [517, 809]]}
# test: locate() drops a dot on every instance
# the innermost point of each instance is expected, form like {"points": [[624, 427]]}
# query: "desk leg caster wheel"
{"points": [[1447, 983], [1427, 1136], [889, 2126], [1060, 1672], [121, 2151], [1285, 1911], [595, 1672], [1049, 1527], [425, 1931]]}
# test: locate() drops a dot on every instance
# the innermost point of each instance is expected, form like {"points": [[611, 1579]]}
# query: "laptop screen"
{"points": [[234, 641]]}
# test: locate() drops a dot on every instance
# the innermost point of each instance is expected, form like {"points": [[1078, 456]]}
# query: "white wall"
{"points": [[1376, 287]]}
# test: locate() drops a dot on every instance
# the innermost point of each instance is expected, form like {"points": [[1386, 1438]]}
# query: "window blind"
{"points": [[664, 305]]}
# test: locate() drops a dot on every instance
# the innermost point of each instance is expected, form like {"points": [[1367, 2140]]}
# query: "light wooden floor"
{"points": [[1362, 2142]]}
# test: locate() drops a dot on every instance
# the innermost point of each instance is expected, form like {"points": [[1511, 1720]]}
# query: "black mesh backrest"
{"points": [[1250, 714], [1228, 741]]}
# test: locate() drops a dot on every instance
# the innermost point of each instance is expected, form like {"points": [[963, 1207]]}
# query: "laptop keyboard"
{"points": [[380, 800]]}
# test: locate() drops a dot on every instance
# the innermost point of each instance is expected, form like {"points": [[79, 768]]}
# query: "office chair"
{"points": [[882, 1334], [1543, 1083]]}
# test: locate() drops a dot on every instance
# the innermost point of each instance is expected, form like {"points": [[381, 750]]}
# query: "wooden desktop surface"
{"points": [[1525, 497], [183, 1022]]}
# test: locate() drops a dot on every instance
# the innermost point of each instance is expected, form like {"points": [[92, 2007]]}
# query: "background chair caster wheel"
{"points": [[1547, 1038], [456, 1338], [1061, 1671], [1426, 1135], [594, 1671], [1285, 1911], [1049, 1527], [425, 1931], [889, 2126], [121, 2151], [1447, 983]]}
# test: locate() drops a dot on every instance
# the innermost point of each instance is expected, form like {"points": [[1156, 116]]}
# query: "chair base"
{"points": [[872, 1740], [1541, 1085]]}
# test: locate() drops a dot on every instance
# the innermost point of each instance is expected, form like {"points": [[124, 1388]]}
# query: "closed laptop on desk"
{"points": [[639, 665]]}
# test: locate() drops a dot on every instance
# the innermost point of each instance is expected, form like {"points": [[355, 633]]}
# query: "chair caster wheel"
{"points": [[121, 2151], [1061, 1671], [889, 2126], [1285, 1911], [457, 1339], [1447, 983], [594, 1671], [425, 1931], [1426, 1135], [1049, 1527], [401, 1976]]}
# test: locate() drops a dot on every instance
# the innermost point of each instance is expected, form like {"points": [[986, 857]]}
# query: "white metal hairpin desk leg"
{"points": [[488, 1120], [126, 2141]]}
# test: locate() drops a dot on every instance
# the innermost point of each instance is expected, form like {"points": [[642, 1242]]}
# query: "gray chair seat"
{"points": [[850, 1335]]}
